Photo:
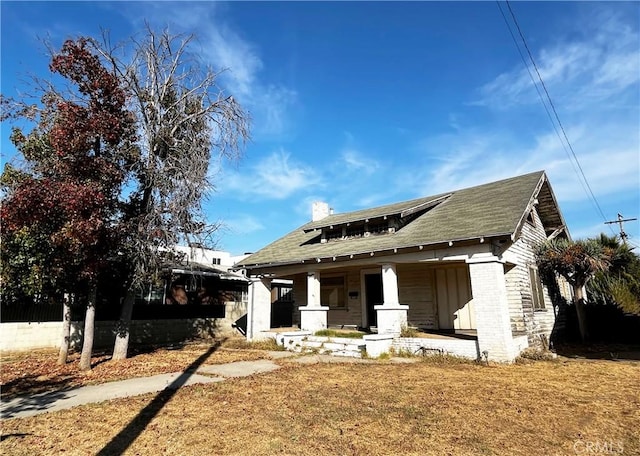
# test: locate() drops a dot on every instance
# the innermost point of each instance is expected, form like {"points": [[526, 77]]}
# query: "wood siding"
{"points": [[536, 324], [453, 294], [416, 289]]}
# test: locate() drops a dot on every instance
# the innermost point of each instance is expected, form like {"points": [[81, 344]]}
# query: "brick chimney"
{"points": [[319, 210]]}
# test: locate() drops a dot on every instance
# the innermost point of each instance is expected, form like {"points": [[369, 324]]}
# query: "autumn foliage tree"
{"points": [[67, 196]]}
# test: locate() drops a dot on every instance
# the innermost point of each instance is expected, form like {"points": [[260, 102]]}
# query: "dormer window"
{"points": [[378, 228], [335, 233], [355, 230], [385, 221]]}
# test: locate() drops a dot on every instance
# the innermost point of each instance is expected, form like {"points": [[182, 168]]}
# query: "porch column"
{"points": [[489, 291], [392, 316], [259, 308], [313, 316]]}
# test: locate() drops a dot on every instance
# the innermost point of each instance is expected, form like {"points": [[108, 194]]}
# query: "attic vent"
{"points": [[530, 218]]}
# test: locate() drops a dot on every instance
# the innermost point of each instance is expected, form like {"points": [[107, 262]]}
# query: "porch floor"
{"points": [[464, 334]]}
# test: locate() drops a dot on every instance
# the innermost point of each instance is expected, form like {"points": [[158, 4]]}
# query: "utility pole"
{"points": [[620, 221]]}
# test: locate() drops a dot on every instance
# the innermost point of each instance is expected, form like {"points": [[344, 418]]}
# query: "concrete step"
{"points": [[338, 346], [347, 353]]}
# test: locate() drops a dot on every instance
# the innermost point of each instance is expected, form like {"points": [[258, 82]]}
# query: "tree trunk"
{"points": [[66, 330], [89, 325], [123, 327], [579, 301]]}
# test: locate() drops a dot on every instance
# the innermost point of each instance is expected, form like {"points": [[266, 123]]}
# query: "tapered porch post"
{"points": [[489, 291], [259, 309], [392, 316], [313, 316]]}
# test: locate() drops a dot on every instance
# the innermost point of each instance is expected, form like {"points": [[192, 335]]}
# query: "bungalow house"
{"points": [[460, 262]]}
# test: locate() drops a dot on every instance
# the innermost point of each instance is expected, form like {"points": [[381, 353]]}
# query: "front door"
{"points": [[373, 296]]}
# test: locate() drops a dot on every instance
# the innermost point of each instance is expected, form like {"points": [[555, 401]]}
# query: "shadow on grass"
{"points": [[4, 437], [611, 352], [10, 408], [137, 425]]}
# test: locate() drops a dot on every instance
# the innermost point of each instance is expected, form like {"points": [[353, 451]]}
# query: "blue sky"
{"points": [[367, 103]]}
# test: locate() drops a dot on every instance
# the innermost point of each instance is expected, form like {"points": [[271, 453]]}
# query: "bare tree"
{"points": [[183, 118]]}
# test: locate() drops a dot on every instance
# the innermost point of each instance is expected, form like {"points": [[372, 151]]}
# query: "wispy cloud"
{"points": [[603, 63], [276, 176], [226, 50], [354, 160], [243, 224], [597, 82]]}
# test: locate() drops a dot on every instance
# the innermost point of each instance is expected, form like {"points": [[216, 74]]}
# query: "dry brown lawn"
{"points": [[539, 408], [37, 371]]}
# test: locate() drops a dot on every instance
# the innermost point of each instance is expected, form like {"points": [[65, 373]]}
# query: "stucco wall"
{"points": [[26, 336]]}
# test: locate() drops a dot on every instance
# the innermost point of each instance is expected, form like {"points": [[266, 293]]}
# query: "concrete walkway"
{"points": [[51, 401], [65, 398]]}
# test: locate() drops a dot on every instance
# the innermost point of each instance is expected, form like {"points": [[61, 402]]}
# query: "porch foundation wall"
{"points": [[377, 344], [463, 348]]}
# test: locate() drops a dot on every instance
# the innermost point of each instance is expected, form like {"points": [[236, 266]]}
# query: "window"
{"points": [[334, 234], [284, 294], [332, 291], [215, 261], [537, 294]]}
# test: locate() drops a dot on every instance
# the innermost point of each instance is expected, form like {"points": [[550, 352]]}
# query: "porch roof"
{"points": [[497, 209]]}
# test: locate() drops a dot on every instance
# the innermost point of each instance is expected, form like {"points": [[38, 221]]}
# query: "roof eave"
{"points": [[428, 245]]}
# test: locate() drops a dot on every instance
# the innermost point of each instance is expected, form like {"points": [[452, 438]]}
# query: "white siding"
{"points": [[524, 319]]}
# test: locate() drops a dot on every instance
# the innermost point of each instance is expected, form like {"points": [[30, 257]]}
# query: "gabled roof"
{"points": [[497, 209]]}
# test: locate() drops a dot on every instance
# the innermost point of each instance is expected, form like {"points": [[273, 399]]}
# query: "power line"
{"points": [[588, 189], [535, 85]]}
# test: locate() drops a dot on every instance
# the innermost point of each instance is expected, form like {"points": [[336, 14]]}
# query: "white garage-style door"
{"points": [[453, 293]]}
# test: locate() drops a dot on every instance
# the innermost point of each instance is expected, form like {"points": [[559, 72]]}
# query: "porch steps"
{"points": [[336, 346]]}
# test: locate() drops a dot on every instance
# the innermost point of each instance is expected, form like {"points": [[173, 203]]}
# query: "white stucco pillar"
{"points": [[259, 309], [313, 316], [392, 316], [489, 291]]}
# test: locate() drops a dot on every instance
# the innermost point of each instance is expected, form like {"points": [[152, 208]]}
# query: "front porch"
{"points": [[460, 306]]}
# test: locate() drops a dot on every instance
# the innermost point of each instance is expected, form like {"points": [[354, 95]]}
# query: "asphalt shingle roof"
{"points": [[493, 209]]}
